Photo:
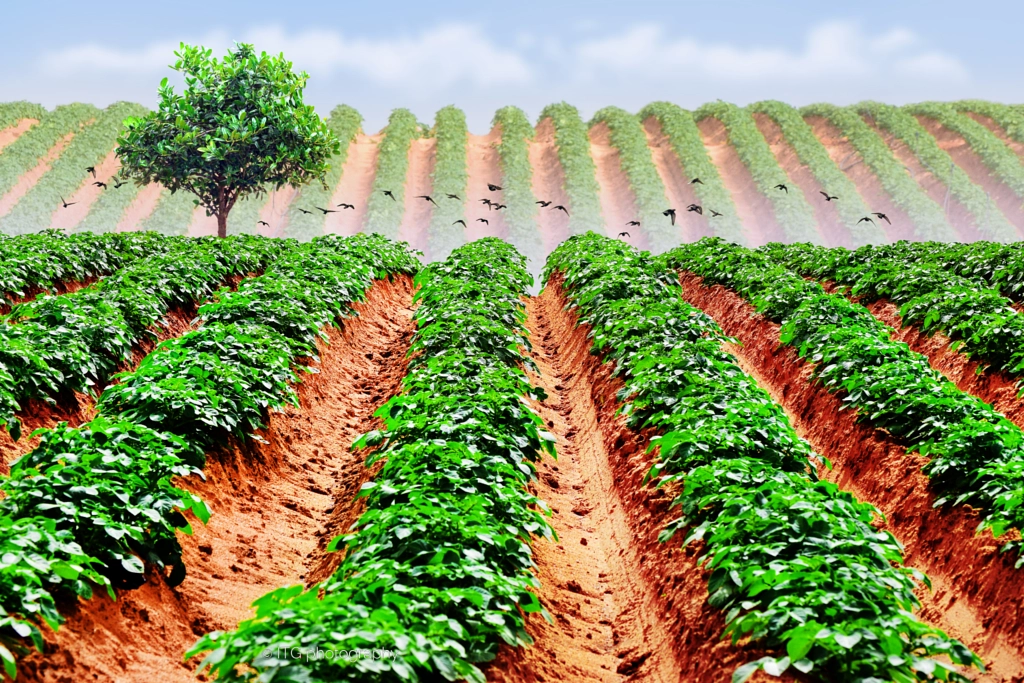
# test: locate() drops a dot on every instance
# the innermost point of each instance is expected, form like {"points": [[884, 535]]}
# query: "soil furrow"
{"points": [[275, 211], [29, 179], [549, 185], [869, 187], [85, 196], [272, 504], [419, 181], [754, 209], [141, 208], [202, 225], [626, 606], [618, 203], [977, 595], [833, 231], [677, 184], [12, 133], [355, 186], [1017, 147], [483, 167]]}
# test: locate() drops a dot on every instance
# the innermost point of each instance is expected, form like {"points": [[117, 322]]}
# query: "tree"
{"points": [[239, 128]]}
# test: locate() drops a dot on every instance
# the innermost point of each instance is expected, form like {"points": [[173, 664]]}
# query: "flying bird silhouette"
{"points": [[623, 233], [483, 220], [99, 184], [499, 207], [347, 206], [91, 169], [827, 197], [427, 198], [263, 223], [66, 204], [882, 216], [324, 211], [310, 213], [714, 213], [671, 213], [453, 196], [544, 205], [560, 208], [866, 218], [696, 181], [780, 186], [697, 209], [387, 193], [460, 221], [633, 223], [493, 188], [487, 203], [119, 183]]}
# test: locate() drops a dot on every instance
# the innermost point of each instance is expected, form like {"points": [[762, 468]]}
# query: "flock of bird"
{"points": [[492, 205]]}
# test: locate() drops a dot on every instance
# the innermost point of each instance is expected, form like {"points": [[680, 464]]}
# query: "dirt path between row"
{"points": [[355, 186], [275, 211], [272, 505], [28, 180], [1017, 147], [618, 202], [549, 185], [677, 183], [831, 228], [141, 208], [86, 195], [626, 606], [869, 187], [201, 224], [12, 133], [977, 595], [415, 227], [754, 209], [483, 167]]}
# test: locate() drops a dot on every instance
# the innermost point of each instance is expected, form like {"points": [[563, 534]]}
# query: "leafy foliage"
{"points": [[13, 112], [793, 213], [578, 168], [678, 125], [517, 184], [450, 176], [239, 127], [1007, 117], [383, 215]]}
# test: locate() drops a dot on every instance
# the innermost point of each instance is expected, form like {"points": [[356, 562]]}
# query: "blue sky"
{"points": [[486, 54]]}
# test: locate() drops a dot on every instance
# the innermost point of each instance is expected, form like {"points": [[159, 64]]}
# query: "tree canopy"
{"points": [[239, 128]]}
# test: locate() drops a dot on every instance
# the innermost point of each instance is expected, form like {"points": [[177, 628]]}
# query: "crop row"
{"points": [[837, 601], [581, 186], [793, 213], [1007, 117], [976, 456], [517, 183], [678, 125], [999, 158], [74, 342], [438, 568], [13, 112], [813, 154], [384, 214], [928, 218], [979, 320], [627, 136], [986, 215], [90, 506], [450, 176], [1000, 266]]}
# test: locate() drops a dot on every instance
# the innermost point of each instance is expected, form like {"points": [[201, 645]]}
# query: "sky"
{"points": [[481, 56]]}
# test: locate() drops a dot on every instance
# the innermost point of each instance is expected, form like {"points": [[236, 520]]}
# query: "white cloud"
{"points": [[932, 65]]}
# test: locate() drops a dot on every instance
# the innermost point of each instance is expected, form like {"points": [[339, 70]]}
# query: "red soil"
{"points": [[676, 181], [484, 167], [84, 197], [618, 203], [419, 180], [626, 606], [549, 185], [355, 186], [968, 160], [956, 213], [867, 183], [977, 595], [275, 211], [833, 231], [752, 206], [29, 179], [12, 133], [999, 133], [202, 225], [271, 504], [140, 209]]}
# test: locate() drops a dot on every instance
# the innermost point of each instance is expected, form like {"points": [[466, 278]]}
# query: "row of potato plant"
{"points": [[450, 176], [74, 342], [929, 220], [975, 455], [579, 171], [794, 215], [836, 604], [517, 184], [902, 124], [1000, 266], [1007, 117], [11, 113], [813, 154], [384, 214], [90, 507], [438, 568], [981, 322], [683, 135]]}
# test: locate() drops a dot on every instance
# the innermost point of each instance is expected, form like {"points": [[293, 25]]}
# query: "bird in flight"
{"points": [[460, 221], [695, 208], [453, 196], [118, 183], [325, 211], [499, 207], [263, 223], [347, 206], [623, 233], [780, 186], [427, 198], [560, 208], [671, 213], [493, 188], [91, 169], [66, 204], [714, 213], [827, 197], [306, 212], [544, 205], [637, 223], [696, 181], [387, 193], [487, 202], [99, 184], [866, 218], [483, 220], [883, 217]]}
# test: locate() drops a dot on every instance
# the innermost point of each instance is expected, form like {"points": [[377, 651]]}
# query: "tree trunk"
{"points": [[222, 224]]}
